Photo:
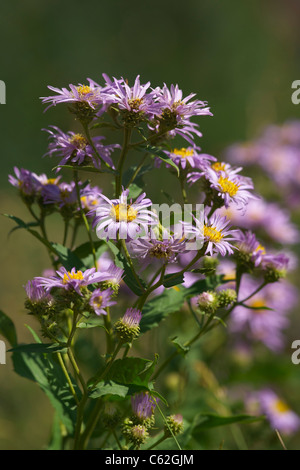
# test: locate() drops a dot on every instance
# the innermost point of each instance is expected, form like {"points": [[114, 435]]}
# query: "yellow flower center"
{"points": [[212, 233], [84, 90], [228, 186], [258, 304], [261, 248], [183, 152], [69, 276], [78, 140], [86, 202], [98, 301], [218, 166], [51, 181], [135, 103], [123, 213], [281, 406]]}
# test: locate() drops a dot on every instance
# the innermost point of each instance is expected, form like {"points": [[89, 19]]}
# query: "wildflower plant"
{"points": [[134, 273]]}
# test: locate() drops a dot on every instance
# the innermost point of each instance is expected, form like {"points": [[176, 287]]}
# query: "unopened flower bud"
{"points": [[127, 328], [208, 302], [175, 424], [226, 297]]}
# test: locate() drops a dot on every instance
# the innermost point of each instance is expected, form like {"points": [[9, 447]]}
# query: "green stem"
{"points": [[66, 232], [159, 441], [183, 191], [125, 147], [117, 439], [90, 141], [84, 219], [166, 423], [109, 332], [64, 369], [136, 172], [253, 293], [127, 255]]}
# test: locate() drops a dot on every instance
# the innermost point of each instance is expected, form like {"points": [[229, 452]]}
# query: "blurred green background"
{"points": [[241, 57]]}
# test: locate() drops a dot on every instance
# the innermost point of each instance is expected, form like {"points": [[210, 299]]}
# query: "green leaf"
{"points": [[7, 329], [47, 373], [56, 441], [211, 420], [183, 350], [90, 169], [110, 388], [83, 252], [158, 152], [132, 371], [171, 280], [67, 258], [129, 277], [91, 322], [126, 377], [39, 348], [158, 308]]}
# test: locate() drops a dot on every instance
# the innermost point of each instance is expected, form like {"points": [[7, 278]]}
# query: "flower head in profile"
{"points": [[136, 103], [264, 318], [278, 412], [249, 248], [71, 280], [143, 405], [165, 250], [191, 156], [128, 327], [26, 181], [36, 293], [123, 218], [75, 149], [100, 300], [176, 112], [62, 194], [90, 94]]}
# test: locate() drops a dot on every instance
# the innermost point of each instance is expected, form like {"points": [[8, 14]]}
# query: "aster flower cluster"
{"points": [[140, 264]]}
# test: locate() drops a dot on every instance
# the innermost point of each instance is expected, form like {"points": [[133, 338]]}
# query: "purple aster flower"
{"points": [[90, 197], [27, 182], [143, 405], [217, 167], [165, 250], [35, 292], [232, 188], [74, 148], [247, 243], [123, 218], [63, 194], [279, 414], [113, 274], [257, 321], [269, 217], [189, 156], [176, 112], [71, 280], [132, 317], [215, 231], [92, 95], [100, 300], [133, 100]]}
